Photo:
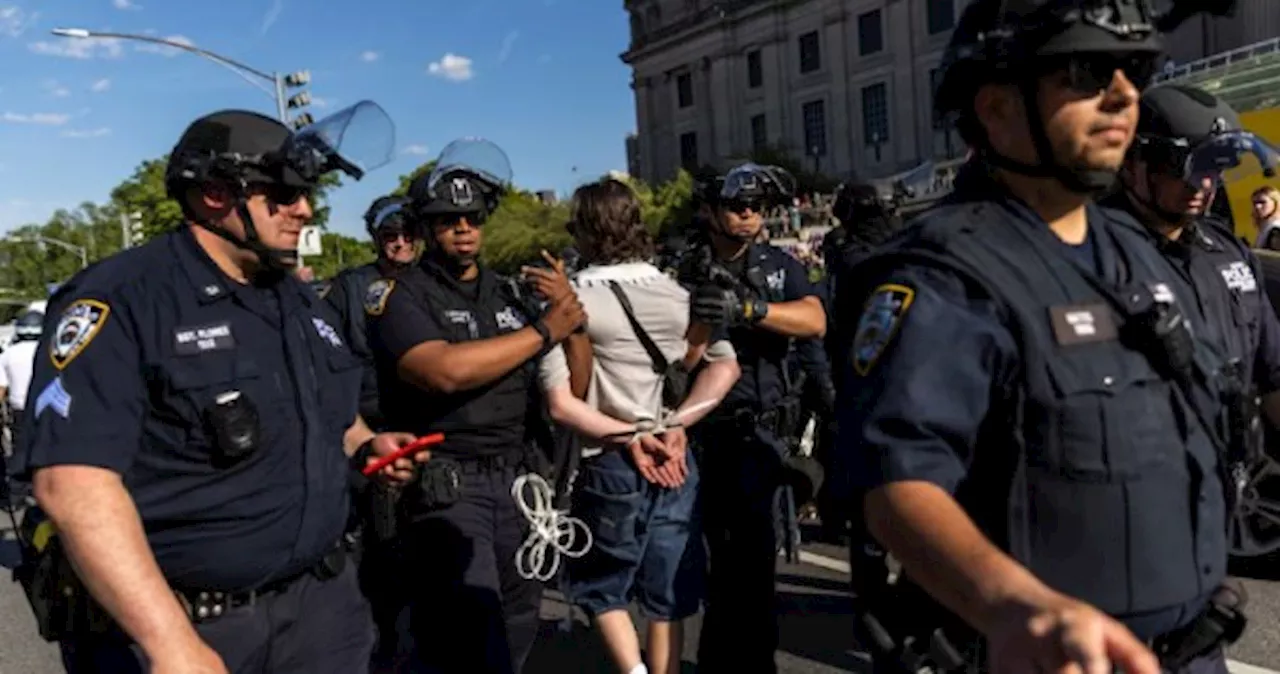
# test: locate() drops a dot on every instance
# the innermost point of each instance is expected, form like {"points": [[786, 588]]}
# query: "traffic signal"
{"points": [[299, 100], [133, 232]]}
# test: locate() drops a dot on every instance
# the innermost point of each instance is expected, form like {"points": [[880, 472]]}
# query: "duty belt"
{"points": [[202, 606]]}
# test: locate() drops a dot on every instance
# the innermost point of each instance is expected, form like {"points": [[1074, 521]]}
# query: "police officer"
{"points": [[764, 298], [192, 414], [1021, 371], [457, 349], [1185, 139], [397, 248]]}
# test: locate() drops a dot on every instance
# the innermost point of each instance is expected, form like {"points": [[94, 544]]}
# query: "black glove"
{"points": [[718, 306]]}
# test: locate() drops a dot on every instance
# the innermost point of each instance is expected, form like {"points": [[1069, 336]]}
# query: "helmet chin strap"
{"points": [[1090, 182]]}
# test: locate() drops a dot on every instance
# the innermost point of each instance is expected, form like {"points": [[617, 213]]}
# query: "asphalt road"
{"points": [[816, 625]]}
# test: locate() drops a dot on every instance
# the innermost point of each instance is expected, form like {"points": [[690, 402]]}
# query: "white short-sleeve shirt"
{"points": [[623, 383]]}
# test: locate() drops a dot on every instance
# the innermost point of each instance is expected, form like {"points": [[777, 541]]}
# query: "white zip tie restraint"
{"points": [[552, 532]]}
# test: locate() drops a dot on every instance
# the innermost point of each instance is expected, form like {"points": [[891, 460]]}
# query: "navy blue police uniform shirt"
{"points": [[1227, 282], [139, 347], [762, 354], [425, 303]]}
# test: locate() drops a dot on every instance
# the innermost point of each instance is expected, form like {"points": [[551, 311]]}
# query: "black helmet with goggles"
{"points": [[1018, 41], [1187, 133], [748, 186], [252, 153]]}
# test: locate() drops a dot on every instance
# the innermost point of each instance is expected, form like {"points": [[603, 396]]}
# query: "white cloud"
{"points": [[165, 50], [81, 48], [14, 21], [100, 86], [369, 56], [125, 4], [89, 133], [507, 43], [418, 150], [55, 89], [42, 118], [273, 13], [321, 103], [452, 67]]}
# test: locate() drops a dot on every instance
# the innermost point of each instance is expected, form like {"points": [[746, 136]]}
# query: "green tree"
{"points": [[339, 252], [521, 227]]}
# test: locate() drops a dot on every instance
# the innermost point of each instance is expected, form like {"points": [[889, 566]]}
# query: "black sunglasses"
{"points": [[281, 194], [1093, 73]]}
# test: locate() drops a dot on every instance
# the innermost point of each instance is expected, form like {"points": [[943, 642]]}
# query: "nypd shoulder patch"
{"points": [[878, 324], [78, 325], [376, 296]]}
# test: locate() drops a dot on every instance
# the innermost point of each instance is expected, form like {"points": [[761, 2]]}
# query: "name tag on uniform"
{"points": [[460, 317], [190, 341], [1082, 324]]}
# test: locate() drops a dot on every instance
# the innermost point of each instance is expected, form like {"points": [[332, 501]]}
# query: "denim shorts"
{"points": [[647, 541]]}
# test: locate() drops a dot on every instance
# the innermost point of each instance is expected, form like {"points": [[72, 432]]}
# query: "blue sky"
{"points": [[541, 78]]}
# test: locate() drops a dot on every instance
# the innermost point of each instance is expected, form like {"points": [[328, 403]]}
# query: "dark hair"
{"points": [[605, 220]]}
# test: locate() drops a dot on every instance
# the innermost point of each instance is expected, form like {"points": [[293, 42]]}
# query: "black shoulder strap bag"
{"points": [[675, 379]]}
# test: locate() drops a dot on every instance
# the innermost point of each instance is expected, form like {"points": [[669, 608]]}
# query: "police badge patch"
{"points": [[79, 324], [376, 295], [879, 322]]}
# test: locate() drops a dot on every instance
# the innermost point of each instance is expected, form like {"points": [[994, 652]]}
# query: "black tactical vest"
{"points": [[490, 419], [1110, 486]]}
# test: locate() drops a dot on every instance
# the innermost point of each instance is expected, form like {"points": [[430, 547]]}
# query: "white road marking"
{"points": [[841, 566]]}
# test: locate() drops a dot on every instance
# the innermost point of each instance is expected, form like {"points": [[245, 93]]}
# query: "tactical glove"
{"points": [[719, 306]]}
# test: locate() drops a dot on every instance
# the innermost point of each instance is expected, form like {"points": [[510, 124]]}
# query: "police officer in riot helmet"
{"points": [[457, 348], [763, 298], [396, 246], [194, 425], [1188, 142], [1033, 438]]}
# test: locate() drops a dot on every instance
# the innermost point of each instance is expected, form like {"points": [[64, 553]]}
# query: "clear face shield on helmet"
{"points": [[354, 140], [462, 164]]}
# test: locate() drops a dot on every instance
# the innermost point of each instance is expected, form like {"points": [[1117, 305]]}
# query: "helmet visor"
{"points": [[354, 140], [1231, 157], [476, 156]]}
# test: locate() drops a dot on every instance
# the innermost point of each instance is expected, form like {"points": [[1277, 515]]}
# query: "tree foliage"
{"points": [[524, 225]]}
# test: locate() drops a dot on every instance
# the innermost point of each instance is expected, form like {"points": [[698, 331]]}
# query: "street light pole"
{"points": [[279, 84], [36, 238]]}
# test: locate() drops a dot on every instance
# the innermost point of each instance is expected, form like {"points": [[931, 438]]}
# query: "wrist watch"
{"points": [[361, 458], [754, 310]]}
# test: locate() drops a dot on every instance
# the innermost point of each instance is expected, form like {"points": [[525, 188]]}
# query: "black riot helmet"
{"points": [[1017, 41], [757, 187], [1187, 133], [470, 177], [386, 214], [249, 152]]}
